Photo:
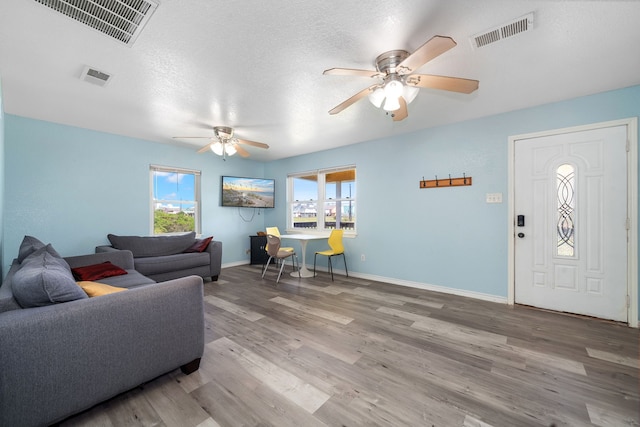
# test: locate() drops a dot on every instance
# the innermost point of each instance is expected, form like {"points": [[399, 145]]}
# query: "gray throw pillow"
{"points": [[44, 279], [148, 246], [30, 244]]}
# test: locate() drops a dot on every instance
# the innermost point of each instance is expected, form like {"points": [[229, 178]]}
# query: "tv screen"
{"points": [[246, 192]]}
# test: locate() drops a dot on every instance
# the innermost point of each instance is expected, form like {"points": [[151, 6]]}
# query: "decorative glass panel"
{"points": [[566, 210]]}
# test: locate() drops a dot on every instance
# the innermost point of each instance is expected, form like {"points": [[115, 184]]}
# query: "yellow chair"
{"points": [[335, 243], [276, 232], [277, 253]]}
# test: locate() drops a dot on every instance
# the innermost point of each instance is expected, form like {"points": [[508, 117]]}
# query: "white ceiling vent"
{"points": [[91, 75], [121, 19], [510, 29]]}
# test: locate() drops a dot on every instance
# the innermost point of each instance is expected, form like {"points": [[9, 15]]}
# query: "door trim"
{"points": [[632, 207]]}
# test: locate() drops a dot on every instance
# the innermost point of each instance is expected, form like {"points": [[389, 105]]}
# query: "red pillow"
{"points": [[200, 245], [97, 271]]}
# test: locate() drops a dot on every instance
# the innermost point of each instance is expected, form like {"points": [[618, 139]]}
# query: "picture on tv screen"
{"points": [[246, 192]]}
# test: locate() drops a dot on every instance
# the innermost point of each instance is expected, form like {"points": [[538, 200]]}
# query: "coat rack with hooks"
{"points": [[446, 182]]}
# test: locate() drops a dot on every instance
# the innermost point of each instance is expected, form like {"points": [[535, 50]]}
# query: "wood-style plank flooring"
{"points": [[312, 352]]}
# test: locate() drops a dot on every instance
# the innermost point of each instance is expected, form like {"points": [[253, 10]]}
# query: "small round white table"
{"points": [[303, 239]]}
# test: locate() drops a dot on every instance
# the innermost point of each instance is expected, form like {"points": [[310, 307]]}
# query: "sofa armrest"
{"points": [[123, 259], [61, 359], [215, 252], [105, 248]]}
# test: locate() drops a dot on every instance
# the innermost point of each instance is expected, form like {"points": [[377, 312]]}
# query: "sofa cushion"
{"points": [[97, 271], [30, 244], [171, 263], [132, 279], [96, 289], [151, 246], [200, 245], [43, 279]]}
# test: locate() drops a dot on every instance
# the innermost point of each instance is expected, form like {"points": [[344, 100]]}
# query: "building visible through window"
{"points": [[175, 200], [323, 199]]}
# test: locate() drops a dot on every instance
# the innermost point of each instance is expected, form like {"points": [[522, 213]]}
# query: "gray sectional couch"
{"points": [[62, 352], [169, 257]]}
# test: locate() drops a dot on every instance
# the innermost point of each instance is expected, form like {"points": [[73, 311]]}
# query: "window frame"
{"points": [[320, 201], [196, 190]]}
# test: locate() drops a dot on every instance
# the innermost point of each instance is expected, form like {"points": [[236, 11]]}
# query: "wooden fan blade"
{"points": [[453, 84], [241, 151], [401, 113], [364, 92], [205, 148], [352, 72], [434, 47], [252, 143]]}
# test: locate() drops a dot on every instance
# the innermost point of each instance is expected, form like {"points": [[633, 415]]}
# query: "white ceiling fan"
{"points": [[398, 85], [224, 143]]}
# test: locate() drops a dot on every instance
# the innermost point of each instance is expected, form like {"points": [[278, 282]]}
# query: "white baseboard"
{"points": [[408, 283]]}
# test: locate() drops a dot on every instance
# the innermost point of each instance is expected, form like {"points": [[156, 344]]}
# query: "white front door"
{"points": [[570, 202]]}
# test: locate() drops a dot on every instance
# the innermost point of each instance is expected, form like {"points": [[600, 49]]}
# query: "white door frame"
{"points": [[632, 207]]}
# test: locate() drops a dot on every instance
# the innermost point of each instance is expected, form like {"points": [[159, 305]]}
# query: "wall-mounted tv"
{"points": [[246, 192]]}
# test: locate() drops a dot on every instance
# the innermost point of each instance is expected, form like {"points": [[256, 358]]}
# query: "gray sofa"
{"points": [[57, 360], [164, 258]]}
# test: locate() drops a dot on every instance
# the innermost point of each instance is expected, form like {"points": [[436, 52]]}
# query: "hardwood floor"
{"points": [[312, 352]]}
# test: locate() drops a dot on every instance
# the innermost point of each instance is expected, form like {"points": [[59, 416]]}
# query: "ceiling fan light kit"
{"points": [[399, 85]]}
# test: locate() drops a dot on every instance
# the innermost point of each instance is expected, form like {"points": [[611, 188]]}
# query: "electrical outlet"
{"points": [[362, 257]]}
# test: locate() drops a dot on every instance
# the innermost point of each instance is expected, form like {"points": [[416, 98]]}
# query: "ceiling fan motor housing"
{"points": [[388, 62], [223, 132]]}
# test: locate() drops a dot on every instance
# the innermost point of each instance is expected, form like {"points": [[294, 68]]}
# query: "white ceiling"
{"points": [[256, 65]]}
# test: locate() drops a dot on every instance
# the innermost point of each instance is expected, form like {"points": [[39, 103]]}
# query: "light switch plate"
{"points": [[494, 197]]}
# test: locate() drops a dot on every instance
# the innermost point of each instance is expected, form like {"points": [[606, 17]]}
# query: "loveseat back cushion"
{"points": [[44, 279], [149, 246]]}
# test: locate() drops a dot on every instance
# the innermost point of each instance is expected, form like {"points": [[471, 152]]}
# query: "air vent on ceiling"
{"points": [[510, 29], [121, 19], [94, 76]]}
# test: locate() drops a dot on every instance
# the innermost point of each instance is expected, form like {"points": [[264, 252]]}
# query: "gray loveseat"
{"points": [[59, 359], [169, 257]]}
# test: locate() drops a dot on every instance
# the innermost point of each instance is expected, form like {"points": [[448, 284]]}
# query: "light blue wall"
{"points": [[445, 237], [71, 187]]}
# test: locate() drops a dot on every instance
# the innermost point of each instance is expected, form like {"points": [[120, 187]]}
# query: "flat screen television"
{"points": [[244, 192]]}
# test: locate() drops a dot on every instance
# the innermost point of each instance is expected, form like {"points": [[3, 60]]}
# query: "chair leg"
{"points": [[266, 266], [280, 272], [314, 265], [330, 267], [345, 264], [294, 262]]}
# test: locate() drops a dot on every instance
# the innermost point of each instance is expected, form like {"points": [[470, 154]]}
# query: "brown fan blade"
{"points": [[352, 72], [434, 47], [364, 92], [205, 148], [241, 151], [401, 113], [252, 143], [453, 84]]}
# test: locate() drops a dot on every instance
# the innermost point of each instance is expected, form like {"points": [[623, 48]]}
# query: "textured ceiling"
{"points": [[257, 66]]}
